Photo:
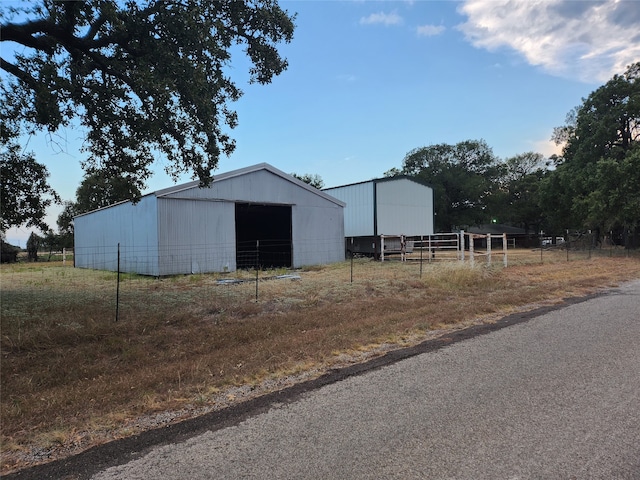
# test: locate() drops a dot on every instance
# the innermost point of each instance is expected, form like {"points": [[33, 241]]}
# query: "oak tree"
{"points": [[141, 77]]}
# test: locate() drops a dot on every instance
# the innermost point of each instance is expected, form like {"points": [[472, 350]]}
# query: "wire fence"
{"points": [[113, 290]]}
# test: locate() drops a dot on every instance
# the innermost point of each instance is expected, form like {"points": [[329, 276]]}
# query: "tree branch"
{"points": [[18, 73], [24, 35]]}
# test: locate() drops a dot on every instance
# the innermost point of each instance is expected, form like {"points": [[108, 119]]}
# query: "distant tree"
{"points": [[65, 218], [463, 177], [141, 77], [50, 242], [99, 190], [33, 244], [595, 184], [25, 193], [312, 179], [518, 202]]}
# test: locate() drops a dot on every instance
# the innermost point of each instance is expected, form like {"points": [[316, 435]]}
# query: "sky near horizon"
{"points": [[368, 81]]}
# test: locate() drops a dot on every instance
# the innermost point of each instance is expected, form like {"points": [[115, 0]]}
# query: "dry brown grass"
{"points": [[72, 377]]}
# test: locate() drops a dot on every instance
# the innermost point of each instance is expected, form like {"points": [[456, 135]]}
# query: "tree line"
{"points": [[594, 184]]}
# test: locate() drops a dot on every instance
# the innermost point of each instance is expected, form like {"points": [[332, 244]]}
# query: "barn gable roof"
{"points": [[244, 171], [229, 175]]}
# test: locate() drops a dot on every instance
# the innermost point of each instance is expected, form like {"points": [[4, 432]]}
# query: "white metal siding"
{"points": [[190, 230], [359, 212], [196, 236], [317, 223], [134, 227], [318, 233], [404, 207]]}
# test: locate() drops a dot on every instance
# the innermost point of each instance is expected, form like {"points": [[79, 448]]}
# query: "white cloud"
{"points": [[590, 41], [429, 30], [385, 19], [546, 147]]}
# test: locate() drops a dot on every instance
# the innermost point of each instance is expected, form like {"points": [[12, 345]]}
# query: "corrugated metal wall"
{"points": [[195, 236], [193, 230], [404, 207], [359, 212], [317, 223], [135, 227]]}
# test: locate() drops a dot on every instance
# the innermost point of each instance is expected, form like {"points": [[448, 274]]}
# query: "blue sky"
{"points": [[368, 81]]}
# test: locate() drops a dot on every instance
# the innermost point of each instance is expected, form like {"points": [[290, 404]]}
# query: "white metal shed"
{"points": [[388, 206], [257, 215]]}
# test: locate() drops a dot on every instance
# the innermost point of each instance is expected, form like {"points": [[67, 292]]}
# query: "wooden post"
{"points": [[382, 248], [471, 256], [421, 249], [461, 245], [489, 240], [504, 250]]}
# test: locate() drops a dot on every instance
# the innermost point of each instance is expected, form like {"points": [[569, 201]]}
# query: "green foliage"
{"points": [[99, 190], [33, 244], [517, 203], [314, 180], [25, 193], [463, 177], [596, 183], [141, 77], [616, 201]]}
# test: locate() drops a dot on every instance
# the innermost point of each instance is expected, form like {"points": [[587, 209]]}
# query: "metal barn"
{"points": [[255, 216], [387, 206]]}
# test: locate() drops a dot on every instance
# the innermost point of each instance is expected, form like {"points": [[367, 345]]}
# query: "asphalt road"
{"points": [[556, 396]]}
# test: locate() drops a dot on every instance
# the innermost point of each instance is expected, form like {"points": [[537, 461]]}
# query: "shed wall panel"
{"points": [[404, 207], [134, 227], [318, 234], [359, 212], [196, 236]]}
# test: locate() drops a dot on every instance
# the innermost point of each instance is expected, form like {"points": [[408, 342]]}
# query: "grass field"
{"points": [[73, 377]]}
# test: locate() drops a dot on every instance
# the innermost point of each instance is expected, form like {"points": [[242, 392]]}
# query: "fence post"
{"points": [[489, 241], [421, 249], [118, 287], [471, 255], [504, 250], [382, 248], [430, 251], [257, 265], [461, 245], [351, 259]]}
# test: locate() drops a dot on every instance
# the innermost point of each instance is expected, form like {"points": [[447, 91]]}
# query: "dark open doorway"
{"points": [[263, 235]]}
